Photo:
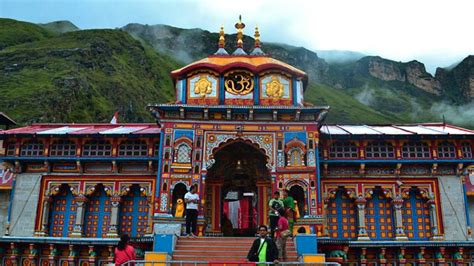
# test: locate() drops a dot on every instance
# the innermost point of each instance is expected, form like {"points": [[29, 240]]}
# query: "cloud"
{"points": [[461, 115]]}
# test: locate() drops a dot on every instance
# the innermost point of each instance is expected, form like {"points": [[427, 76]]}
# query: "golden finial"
{"points": [[240, 26], [221, 38], [257, 38]]}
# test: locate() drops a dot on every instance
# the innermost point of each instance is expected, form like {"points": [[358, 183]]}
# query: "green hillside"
{"points": [[59, 27], [83, 76], [13, 32]]}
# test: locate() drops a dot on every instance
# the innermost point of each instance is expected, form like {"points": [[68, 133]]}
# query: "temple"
{"points": [[239, 129]]}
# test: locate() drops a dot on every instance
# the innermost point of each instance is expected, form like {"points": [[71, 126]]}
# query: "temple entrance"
{"points": [[238, 186]]}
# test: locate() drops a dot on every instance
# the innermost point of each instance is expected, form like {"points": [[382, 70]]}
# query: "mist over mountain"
{"points": [[59, 58]]}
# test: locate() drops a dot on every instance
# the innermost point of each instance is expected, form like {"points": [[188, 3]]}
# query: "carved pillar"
{"points": [[114, 216], [325, 217], [439, 255], [363, 256], [81, 201], [362, 231], [433, 219], [72, 256], [45, 217], [53, 254], [381, 259], [401, 256], [149, 201], [14, 254], [32, 255], [397, 203], [110, 258], [459, 256], [92, 256], [420, 256]]}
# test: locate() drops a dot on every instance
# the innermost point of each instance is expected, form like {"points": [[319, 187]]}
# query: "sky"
{"points": [[438, 33]]}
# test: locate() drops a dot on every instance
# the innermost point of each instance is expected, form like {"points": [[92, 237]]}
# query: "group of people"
{"points": [[282, 218]]}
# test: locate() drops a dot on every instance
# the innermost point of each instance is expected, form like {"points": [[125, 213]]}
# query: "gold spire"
{"points": [[257, 38], [221, 38], [240, 26]]}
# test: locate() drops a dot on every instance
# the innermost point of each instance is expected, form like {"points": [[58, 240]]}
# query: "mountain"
{"points": [[59, 27], [13, 32], [86, 75], [83, 76], [338, 56]]}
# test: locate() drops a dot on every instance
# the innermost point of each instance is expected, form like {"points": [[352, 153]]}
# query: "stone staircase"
{"points": [[220, 249]]}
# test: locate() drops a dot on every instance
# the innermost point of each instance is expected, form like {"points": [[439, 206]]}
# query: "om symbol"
{"points": [[239, 83]]}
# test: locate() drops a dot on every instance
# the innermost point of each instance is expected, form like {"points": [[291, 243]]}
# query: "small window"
{"points": [[168, 140], [198, 156], [63, 148], [415, 150], [183, 153], [343, 150], [32, 148], [157, 149], [466, 150], [379, 149], [311, 144], [97, 148], [280, 145], [11, 149], [446, 150], [198, 142], [133, 148]]}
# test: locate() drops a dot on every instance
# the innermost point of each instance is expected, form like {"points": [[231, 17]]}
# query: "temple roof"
{"points": [[221, 63], [406, 129]]}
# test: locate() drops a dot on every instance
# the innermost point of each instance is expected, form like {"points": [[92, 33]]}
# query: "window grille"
{"points": [[446, 150], [32, 148], [63, 148], [415, 150], [466, 150], [379, 149], [97, 148], [343, 150], [133, 148]]}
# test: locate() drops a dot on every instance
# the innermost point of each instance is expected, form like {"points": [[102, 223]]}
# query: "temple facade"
{"points": [[240, 130]]}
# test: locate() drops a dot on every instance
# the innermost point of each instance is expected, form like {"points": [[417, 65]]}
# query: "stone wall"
{"points": [[4, 201], [25, 204], [453, 209]]}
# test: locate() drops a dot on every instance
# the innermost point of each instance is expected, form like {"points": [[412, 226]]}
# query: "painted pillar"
{"points": [[325, 218], [397, 203], [466, 207], [14, 255], [433, 219], [32, 255], [45, 217], [114, 216], [72, 256], [81, 201], [362, 231], [52, 256]]}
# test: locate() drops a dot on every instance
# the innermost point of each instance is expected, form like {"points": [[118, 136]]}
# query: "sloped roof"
{"points": [[408, 129], [85, 129], [221, 63]]}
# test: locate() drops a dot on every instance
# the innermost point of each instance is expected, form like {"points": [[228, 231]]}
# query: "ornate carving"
{"points": [[203, 86], [239, 83], [274, 88]]}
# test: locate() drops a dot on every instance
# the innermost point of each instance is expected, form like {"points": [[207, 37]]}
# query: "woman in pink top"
{"points": [[124, 252], [281, 235]]}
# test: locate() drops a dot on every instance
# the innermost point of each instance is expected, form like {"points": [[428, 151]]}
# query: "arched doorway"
{"points": [[298, 194], [238, 187]]}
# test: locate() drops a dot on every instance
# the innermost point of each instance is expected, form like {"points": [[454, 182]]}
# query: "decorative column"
{"points": [[72, 256], [114, 216], [397, 203], [439, 255], [110, 258], [149, 202], [362, 231], [381, 258], [420, 256], [401, 256], [459, 256], [32, 255], [53, 254], [325, 217], [45, 217], [363, 256], [81, 201], [433, 218], [92, 255], [14, 254]]}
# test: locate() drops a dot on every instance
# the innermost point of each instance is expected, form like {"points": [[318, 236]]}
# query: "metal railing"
{"points": [[223, 263]]}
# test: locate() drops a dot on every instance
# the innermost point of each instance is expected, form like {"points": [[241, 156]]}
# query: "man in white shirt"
{"points": [[191, 199]]}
